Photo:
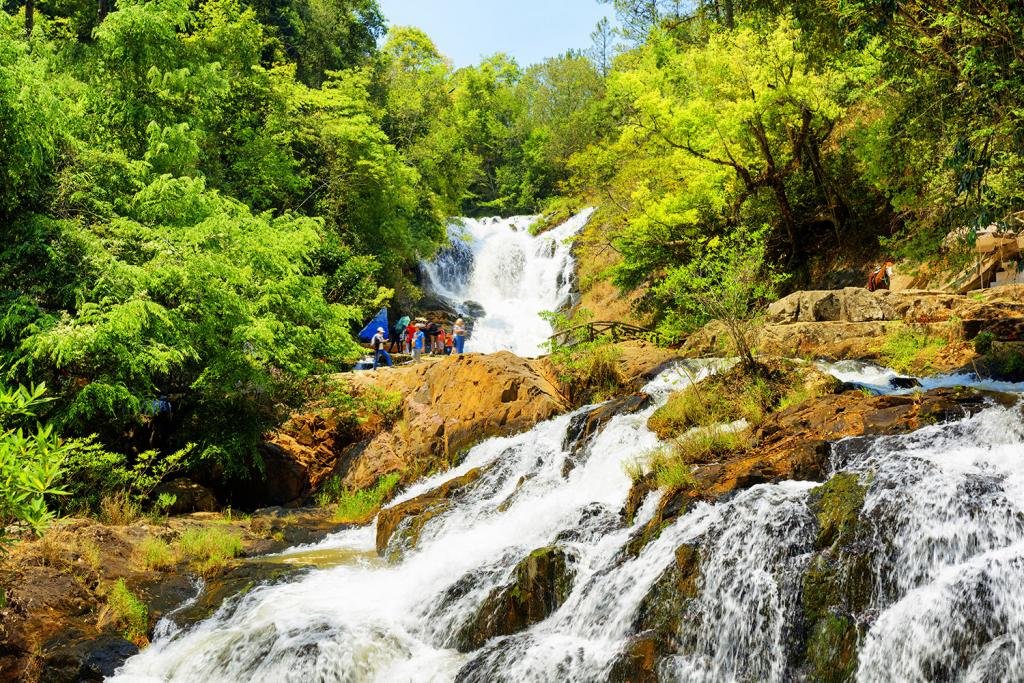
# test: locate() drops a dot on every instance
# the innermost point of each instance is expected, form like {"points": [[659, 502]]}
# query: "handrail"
{"points": [[619, 331]]}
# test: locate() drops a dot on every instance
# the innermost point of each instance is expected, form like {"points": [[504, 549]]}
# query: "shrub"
{"points": [[31, 461], [589, 371], [209, 549], [94, 475], [354, 409], [983, 342], [128, 612], [119, 509], [358, 507], [729, 280]]}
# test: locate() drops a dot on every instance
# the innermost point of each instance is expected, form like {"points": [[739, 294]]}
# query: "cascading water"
{"points": [[496, 272], [943, 538]]}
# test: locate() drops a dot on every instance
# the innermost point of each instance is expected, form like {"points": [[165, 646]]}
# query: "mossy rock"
{"points": [[838, 581], [658, 619], [832, 649], [639, 662], [837, 504], [541, 582]]}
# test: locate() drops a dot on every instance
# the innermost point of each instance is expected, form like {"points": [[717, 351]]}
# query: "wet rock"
{"points": [[540, 584], [106, 654], [658, 619], [795, 443], [904, 383], [232, 585], [79, 661], [188, 496], [584, 426], [638, 492], [409, 517], [837, 583], [639, 662]]}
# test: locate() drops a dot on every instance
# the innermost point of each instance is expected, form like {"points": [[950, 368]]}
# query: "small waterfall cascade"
{"points": [[503, 277], [938, 554]]}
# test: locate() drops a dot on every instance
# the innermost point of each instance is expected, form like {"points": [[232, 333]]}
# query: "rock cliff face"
{"points": [[852, 323], [447, 406], [55, 624]]}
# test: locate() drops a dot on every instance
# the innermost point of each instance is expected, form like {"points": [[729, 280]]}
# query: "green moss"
{"points": [[837, 582], [837, 504], [832, 649]]}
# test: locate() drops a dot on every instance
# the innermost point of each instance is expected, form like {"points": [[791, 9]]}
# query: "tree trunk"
{"points": [[788, 219], [104, 9], [30, 17], [730, 13]]}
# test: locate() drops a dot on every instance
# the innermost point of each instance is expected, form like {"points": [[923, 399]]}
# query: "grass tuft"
{"points": [[157, 554], [118, 509], [911, 349], [209, 549], [128, 612], [359, 507]]}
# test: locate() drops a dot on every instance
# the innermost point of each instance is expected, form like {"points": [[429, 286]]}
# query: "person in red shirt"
{"points": [[439, 346], [410, 332]]}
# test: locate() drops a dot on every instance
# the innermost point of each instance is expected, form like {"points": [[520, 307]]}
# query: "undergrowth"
{"points": [[911, 349]]}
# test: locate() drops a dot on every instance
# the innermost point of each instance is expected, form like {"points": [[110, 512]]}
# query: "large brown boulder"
{"points": [[447, 405], [853, 323]]}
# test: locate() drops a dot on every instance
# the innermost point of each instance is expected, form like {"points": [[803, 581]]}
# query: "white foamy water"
{"points": [[496, 264], [944, 513]]}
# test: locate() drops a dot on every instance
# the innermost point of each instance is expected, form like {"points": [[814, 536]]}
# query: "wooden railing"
{"points": [[588, 332]]}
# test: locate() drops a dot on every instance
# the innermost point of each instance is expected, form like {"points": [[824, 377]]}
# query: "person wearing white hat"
{"points": [[378, 342]]}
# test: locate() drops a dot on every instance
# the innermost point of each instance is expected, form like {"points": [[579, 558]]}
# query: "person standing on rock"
{"points": [[440, 343], [398, 334], [417, 344], [459, 336], [410, 332], [378, 342]]}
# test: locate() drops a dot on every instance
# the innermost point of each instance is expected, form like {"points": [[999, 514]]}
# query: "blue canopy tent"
{"points": [[379, 320]]}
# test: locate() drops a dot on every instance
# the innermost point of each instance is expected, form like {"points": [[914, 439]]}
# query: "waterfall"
{"points": [[503, 277], [941, 537]]}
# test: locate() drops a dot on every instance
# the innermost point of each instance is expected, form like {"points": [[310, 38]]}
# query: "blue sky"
{"points": [[529, 30]]}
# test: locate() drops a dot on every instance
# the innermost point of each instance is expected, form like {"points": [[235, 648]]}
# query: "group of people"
{"points": [[416, 337]]}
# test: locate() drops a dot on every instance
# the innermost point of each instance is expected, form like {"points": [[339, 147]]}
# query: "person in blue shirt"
{"points": [[378, 342], [417, 344], [459, 336]]}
